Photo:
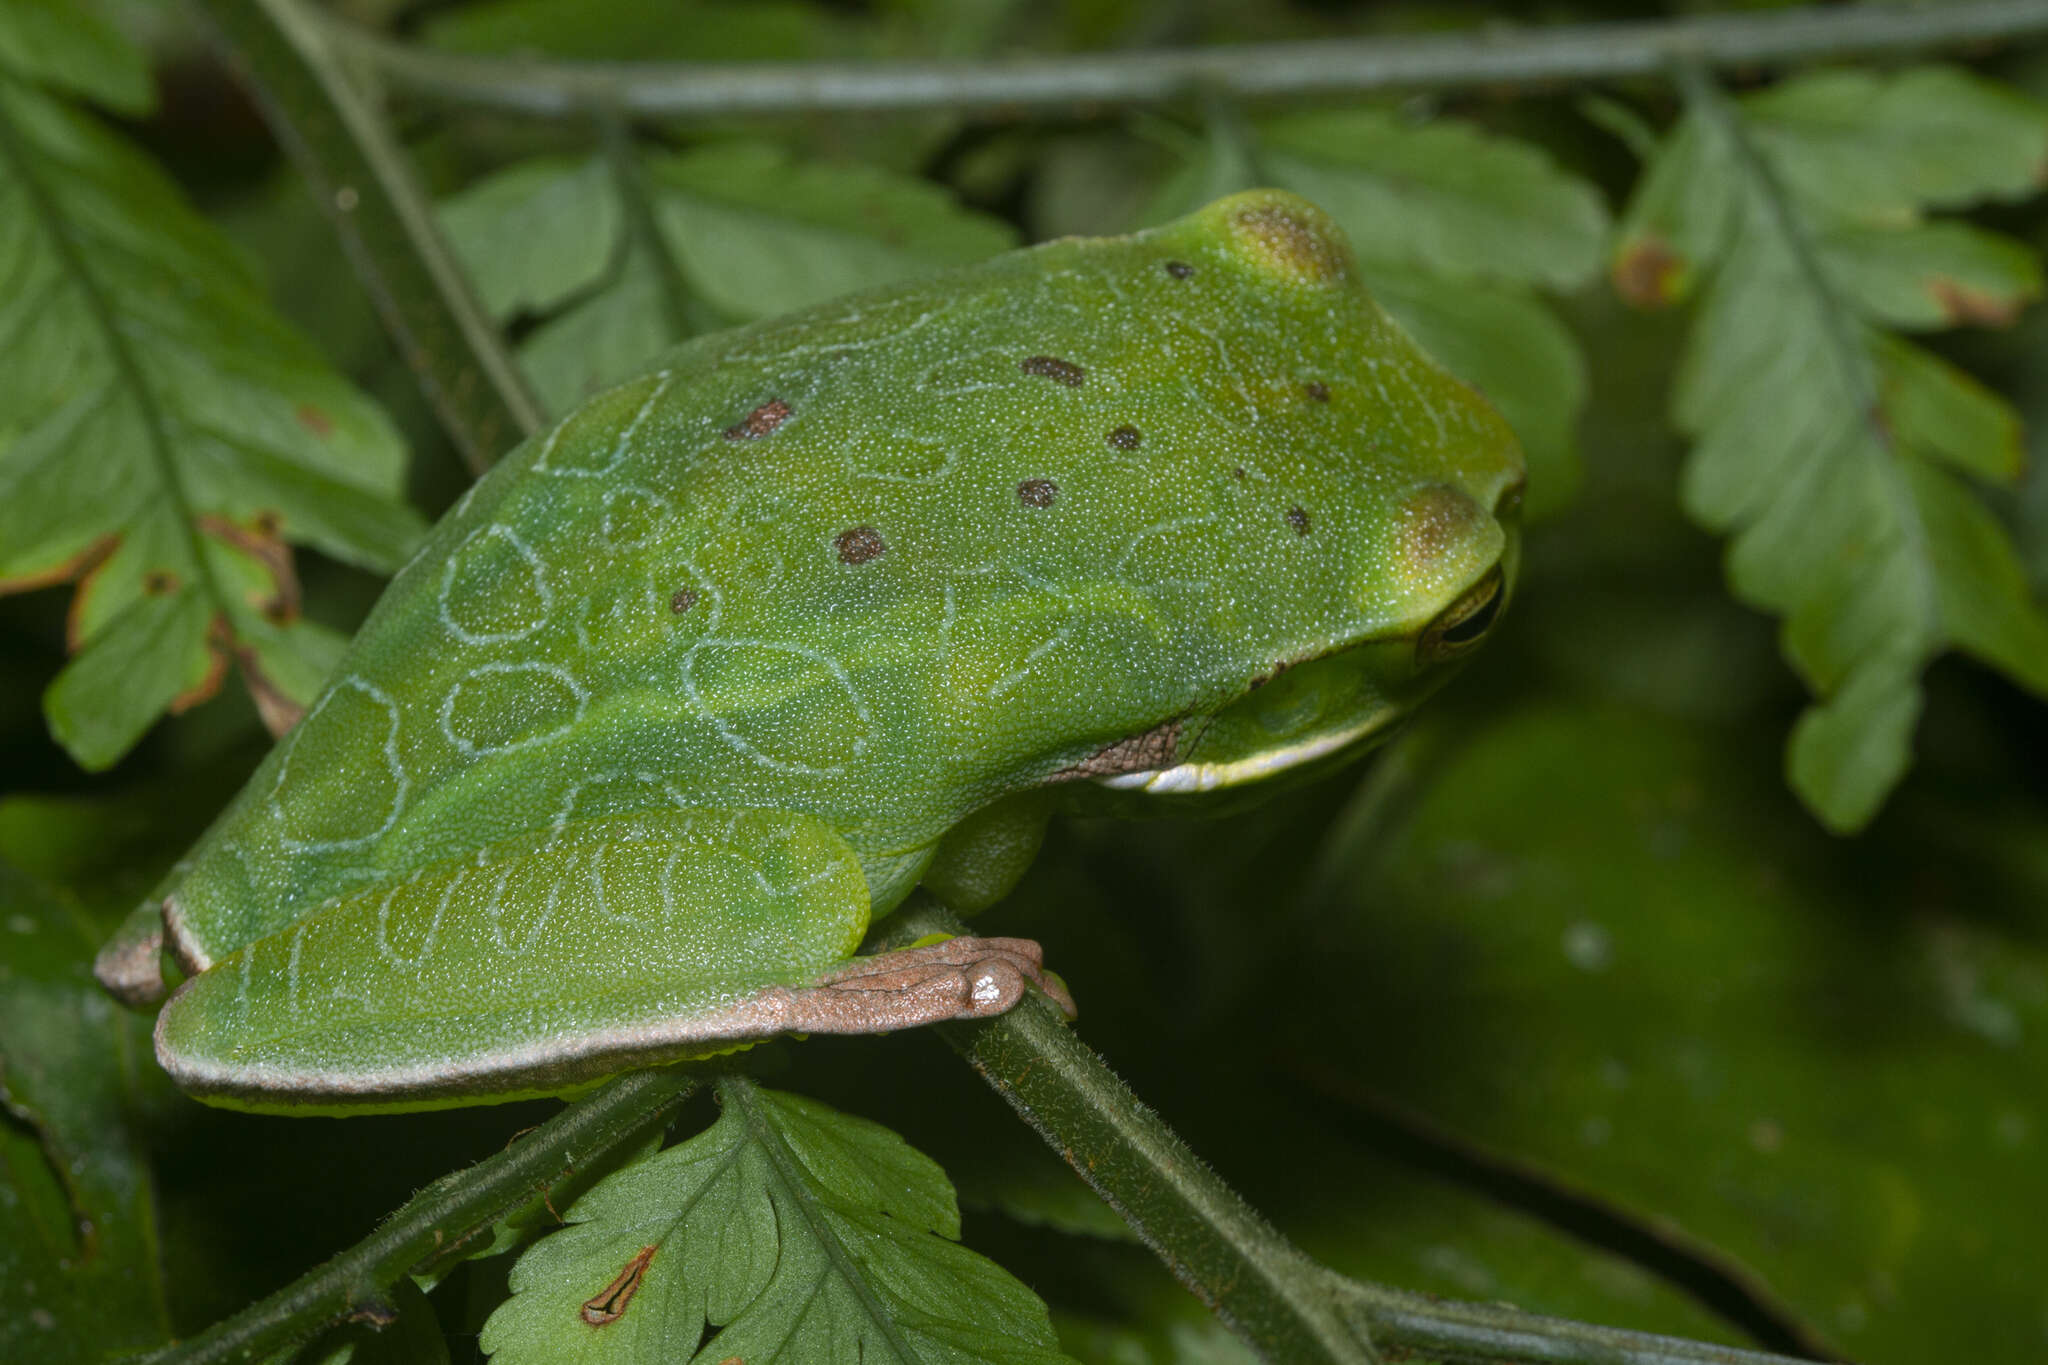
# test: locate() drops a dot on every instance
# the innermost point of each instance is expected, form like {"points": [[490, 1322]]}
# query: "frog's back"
{"points": [[887, 559]]}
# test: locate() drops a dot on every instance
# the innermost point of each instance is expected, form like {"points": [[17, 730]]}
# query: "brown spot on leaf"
{"points": [[278, 711], [858, 545], [609, 1304], [1317, 389], [1297, 517], [281, 606], [1238, 473], [1961, 304], [1649, 274], [759, 422], [220, 647], [1126, 437], [1137, 754], [1052, 367], [682, 600], [315, 420], [79, 565], [1037, 492], [1180, 270], [159, 583]]}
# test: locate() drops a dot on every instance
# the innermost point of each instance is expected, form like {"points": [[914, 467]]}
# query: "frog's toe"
{"points": [[959, 978]]}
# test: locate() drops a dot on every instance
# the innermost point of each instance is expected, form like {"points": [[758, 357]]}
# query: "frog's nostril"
{"points": [[1509, 503]]}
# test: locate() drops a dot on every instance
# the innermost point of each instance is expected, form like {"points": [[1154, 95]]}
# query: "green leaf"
{"points": [[743, 230], [166, 437], [79, 1273], [535, 233], [1937, 409], [757, 233], [800, 1233], [612, 335], [1876, 149], [1617, 962], [1822, 441], [1443, 196], [1932, 275], [70, 45]]}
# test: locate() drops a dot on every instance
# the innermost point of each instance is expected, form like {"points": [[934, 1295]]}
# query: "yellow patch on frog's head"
{"points": [[1433, 524], [1285, 235]]}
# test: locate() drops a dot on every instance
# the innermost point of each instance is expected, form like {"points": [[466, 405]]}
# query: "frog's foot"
{"points": [[961, 978]]}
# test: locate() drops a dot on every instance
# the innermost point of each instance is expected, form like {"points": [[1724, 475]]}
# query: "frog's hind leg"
{"points": [[960, 978], [537, 963]]}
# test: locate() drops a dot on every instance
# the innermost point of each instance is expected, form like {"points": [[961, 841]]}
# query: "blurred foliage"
{"points": [[79, 1247], [1831, 447], [1564, 1000], [167, 437], [612, 263]]}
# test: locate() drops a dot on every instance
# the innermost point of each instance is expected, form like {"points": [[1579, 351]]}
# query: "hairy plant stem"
{"points": [[433, 1227], [1494, 58], [1282, 1303], [364, 184]]}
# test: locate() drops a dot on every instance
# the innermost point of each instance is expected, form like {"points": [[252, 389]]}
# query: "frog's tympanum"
{"points": [[692, 688]]}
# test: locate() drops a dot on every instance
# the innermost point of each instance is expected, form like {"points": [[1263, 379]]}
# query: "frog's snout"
{"points": [[1447, 547]]}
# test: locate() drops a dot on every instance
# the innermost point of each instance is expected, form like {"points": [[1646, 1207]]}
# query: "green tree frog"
{"points": [[692, 687]]}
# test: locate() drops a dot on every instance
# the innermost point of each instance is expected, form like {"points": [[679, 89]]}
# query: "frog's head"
{"points": [[1424, 488]]}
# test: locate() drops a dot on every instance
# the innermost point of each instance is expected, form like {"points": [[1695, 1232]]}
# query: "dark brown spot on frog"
{"points": [[760, 421], [1052, 367], [1037, 492], [1317, 389], [1238, 473], [1298, 518], [1180, 270], [609, 1304], [858, 545], [683, 600], [1137, 754], [1126, 438]]}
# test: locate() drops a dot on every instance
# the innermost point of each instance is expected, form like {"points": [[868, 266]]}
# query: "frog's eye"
{"points": [[1464, 623]]}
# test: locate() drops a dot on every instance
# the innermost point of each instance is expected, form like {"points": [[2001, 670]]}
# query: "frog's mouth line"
{"points": [[1185, 778]]}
